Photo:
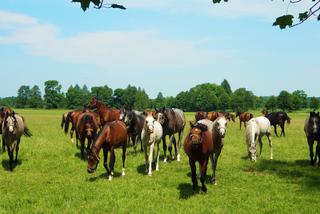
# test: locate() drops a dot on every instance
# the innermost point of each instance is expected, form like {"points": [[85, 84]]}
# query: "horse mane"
{"points": [[200, 126]]}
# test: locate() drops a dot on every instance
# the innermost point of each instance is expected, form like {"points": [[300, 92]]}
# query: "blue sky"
{"points": [[167, 46]]}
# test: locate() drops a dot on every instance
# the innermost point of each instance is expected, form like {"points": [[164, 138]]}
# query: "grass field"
{"points": [[51, 178]]}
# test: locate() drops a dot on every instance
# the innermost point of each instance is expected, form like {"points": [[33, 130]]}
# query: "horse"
{"points": [[200, 115], [72, 118], [198, 146], [134, 121], [63, 120], [13, 127], [172, 121], [312, 131], [106, 114], [255, 130], [111, 136], [214, 115], [244, 117], [229, 116], [278, 118], [3, 112], [86, 128], [218, 130], [151, 135]]}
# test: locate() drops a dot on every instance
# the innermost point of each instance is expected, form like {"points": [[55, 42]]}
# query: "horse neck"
{"points": [[97, 145]]}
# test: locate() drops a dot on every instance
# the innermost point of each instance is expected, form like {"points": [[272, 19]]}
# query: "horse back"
{"points": [[176, 121], [118, 133]]}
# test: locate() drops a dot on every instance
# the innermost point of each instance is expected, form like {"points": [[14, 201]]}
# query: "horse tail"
{"points": [[63, 120], [27, 132], [67, 121], [288, 118]]}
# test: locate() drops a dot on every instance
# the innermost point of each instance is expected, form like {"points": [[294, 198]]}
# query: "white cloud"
{"points": [[115, 50]]}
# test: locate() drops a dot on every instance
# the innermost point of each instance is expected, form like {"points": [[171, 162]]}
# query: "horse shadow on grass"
{"points": [[104, 176], [299, 171], [6, 165]]}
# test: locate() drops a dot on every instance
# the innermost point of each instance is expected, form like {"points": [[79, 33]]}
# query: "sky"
{"points": [[159, 45]]}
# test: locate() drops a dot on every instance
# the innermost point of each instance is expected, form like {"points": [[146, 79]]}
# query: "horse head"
{"points": [[93, 103], [314, 123], [221, 126], [149, 122], [93, 160], [161, 115], [10, 121], [196, 133]]}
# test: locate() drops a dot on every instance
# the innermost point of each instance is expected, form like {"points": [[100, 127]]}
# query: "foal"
{"points": [[151, 135]]}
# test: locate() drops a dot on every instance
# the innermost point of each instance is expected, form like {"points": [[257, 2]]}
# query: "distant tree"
{"points": [[23, 96], [224, 101], [159, 102], [118, 97], [103, 93], [242, 100], [9, 102], [299, 100], [53, 96], [284, 101], [76, 97], [142, 100], [226, 86], [271, 103], [35, 100], [314, 103]]}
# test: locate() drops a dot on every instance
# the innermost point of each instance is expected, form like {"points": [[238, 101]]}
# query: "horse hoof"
{"points": [[204, 189], [150, 174], [157, 168], [178, 158], [123, 172], [110, 178], [165, 160], [112, 173]]}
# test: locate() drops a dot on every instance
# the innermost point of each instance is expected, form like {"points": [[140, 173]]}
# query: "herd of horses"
{"points": [[108, 129]]}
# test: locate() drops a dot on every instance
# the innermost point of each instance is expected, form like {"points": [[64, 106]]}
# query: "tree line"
{"points": [[202, 97]]}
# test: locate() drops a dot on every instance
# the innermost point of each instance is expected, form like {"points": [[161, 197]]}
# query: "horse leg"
{"points": [[310, 142], [10, 153], [111, 164], [124, 149], [275, 130], [203, 169], [17, 150], [213, 178], [145, 148], [82, 141], [175, 146], [164, 148], [134, 144], [193, 174], [150, 159], [179, 145], [216, 156], [158, 155], [260, 145], [282, 130], [3, 144], [270, 145], [139, 138], [105, 159], [240, 124], [71, 134], [170, 146]]}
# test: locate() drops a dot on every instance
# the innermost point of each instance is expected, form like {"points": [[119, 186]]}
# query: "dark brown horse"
{"points": [[229, 116], [244, 117], [87, 126], [278, 118], [72, 117], [198, 146], [172, 121], [200, 115], [111, 136], [13, 127], [312, 131], [106, 114]]}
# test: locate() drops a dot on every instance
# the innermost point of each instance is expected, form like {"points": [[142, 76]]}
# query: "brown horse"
{"points": [[214, 115], [200, 115], [13, 127], [312, 131], [244, 117], [72, 117], [86, 128], [111, 136], [106, 114], [198, 146], [3, 112]]}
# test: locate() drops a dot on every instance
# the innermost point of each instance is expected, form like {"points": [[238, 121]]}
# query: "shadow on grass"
{"points": [[299, 171], [185, 190], [104, 176], [6, 165]]}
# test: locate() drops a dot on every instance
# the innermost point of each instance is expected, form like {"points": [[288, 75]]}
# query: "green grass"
{"points": [[50, 177]]}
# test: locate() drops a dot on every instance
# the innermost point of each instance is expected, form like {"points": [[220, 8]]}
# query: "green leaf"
{"points": [[303, 16], [284, 21], [84, 4]]}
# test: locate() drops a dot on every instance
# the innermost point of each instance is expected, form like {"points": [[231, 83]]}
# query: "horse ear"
{"points": [[163, 109], [311, 113]]}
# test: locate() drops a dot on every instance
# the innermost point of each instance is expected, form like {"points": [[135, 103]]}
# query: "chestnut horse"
{"points": [[87, 126], [111, 136], [72, 117], [106, 114], [198, 146], [200, 115], [312, 131], [214, 115], [244, 117]]}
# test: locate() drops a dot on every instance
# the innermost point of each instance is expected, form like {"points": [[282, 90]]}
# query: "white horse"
{"points": [[256, 129], [218, 129], [151, 135]]}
